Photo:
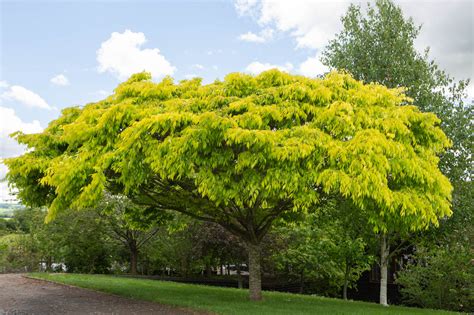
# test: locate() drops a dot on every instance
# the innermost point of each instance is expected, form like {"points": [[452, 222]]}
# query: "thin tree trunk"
{"points": [[239, 277], [255, 280], [302, 281], [384, 253], [346, 281]]}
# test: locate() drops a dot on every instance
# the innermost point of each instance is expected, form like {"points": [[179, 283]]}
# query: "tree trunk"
{"points": [[255, 280], [346, 281], [133, 259], [239, 277], [49, 264], [208, 270], [302, 281], [384, 253]]}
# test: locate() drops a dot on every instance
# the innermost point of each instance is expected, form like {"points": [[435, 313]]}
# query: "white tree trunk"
{"points": [[384, 253]]}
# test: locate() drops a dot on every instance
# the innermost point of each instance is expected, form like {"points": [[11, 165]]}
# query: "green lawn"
{"points": [[224, 300]]}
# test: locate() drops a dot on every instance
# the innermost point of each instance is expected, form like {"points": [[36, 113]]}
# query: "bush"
{"points": [[439, 277]]}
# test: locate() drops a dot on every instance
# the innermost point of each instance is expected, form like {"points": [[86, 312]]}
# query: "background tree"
{"points": [[242, 152], [328, 244], [378, 46], [133, 226]]}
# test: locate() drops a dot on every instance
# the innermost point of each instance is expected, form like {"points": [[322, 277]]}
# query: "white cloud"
{"points": [[264, 36], [190, 76], [245, 6], [9, 123], [198, 66], [60, 80], [312, 67], [314, 23], [470, 92], [5, 193], [4, 84], [25, 96], [257, 67], [214, 52], [251, 37], [311, 23], [122, 56]]}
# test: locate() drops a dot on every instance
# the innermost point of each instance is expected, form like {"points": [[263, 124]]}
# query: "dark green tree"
{"points": [[378, 46], [133, 226]]}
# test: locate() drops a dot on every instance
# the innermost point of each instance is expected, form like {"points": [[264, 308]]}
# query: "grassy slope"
{"points": [[224, 300]]}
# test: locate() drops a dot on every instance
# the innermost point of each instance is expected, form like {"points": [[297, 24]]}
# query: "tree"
{"points": [[242, 152], [328, 243], [379, 47], [133, 226]]}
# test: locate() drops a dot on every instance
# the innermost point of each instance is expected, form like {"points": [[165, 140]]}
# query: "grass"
{"points": [[224, 300]]}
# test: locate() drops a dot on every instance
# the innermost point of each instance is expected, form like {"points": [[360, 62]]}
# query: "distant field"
{"points": [[224, 300], [7, 209], [6, 213]]}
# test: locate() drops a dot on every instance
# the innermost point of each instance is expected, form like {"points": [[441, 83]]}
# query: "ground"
{"points": [[21, 295], [230, 301]]}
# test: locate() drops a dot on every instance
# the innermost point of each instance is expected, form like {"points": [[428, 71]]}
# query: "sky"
{"points": [[58, 54]]}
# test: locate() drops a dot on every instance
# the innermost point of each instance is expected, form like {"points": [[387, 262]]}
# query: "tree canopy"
{"points": [[242, 152]]}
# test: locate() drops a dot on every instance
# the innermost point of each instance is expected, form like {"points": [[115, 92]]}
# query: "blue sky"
{"points": [[58, 54]]}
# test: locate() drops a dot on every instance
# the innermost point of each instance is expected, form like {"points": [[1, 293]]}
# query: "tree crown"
{"points": [[242, 150]]}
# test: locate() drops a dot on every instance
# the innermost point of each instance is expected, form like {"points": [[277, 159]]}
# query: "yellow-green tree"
{"points": [[242, 152]]}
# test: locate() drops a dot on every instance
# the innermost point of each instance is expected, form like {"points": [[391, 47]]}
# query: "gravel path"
{"points": [[20, 295]]}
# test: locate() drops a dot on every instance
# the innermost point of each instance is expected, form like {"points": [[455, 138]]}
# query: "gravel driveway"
{"points": [[20, 295]]}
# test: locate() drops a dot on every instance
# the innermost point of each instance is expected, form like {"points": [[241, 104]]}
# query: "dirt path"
{"points": [[20, 295]]}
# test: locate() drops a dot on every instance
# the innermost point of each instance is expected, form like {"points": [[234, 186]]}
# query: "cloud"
{"points": [[4, 84], [122, 56], [214, 52], [60, 80], [264, 36], [450, 35], [9, 123], [198, 66], [190, 76], [24, 96], [312, 67], [5, 193], [257, 67], [245, 6], [312, 24]]}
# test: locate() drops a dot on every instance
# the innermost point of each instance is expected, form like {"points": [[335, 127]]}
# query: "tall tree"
{"points": [[378, 46], [242, 152]]}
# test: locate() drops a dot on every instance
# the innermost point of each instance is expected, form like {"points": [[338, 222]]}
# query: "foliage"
{"points": [[248, 145], [15, 254], [329, 244], [378, 45], [193, 248], [86, 243], [440, 277], [226, 300], [242, 152], [77, 239], [131, 225]]}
